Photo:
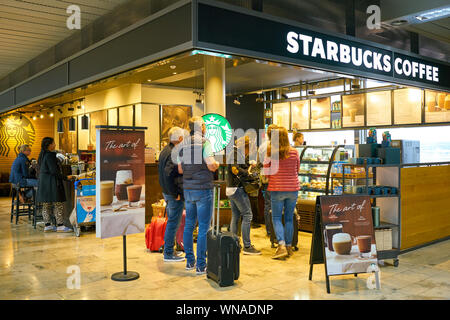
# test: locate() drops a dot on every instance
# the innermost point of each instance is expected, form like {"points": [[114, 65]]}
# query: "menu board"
{"points": [[281, 114], [349, 238], [353, 110], [300, 115], [379, 108], [320, 113], [437, 106], [407, 106]]}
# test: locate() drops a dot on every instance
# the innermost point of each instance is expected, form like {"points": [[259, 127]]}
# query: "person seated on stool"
{"points": [[20, 173]]}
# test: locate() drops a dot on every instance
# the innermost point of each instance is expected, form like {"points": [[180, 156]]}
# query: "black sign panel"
{"points": [[247, 32]]}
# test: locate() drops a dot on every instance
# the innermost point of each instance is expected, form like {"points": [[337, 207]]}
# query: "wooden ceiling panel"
{"points": [[29, 27]]}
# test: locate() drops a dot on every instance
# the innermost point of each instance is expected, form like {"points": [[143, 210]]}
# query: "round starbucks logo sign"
{"points": [[218, 131]]}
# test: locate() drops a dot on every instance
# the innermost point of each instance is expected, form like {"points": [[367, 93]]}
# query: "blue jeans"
{"points": [[266, 195], [174, 214], [30, 183], [283, 200], [199, 206], [240, 205]]}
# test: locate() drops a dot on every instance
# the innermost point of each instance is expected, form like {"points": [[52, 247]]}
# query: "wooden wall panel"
{"points": [[425, 196], [15, 131]]}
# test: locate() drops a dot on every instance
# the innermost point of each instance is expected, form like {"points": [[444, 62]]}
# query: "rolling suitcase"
{"points": [[154, 233], [273, 238], [222, 251]]}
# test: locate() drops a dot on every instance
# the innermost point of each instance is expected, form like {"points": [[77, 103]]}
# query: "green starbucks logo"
{"points": [[218, 131]]}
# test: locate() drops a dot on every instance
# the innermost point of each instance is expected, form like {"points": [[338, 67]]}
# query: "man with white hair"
{"points": [[20, 172], [171, 182]]}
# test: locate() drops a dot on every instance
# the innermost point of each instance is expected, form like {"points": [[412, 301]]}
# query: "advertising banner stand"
{"points": [[120, 180], [343, 237], [125, 275]]}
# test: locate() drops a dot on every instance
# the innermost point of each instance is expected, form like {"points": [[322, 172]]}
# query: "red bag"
{"points": [[180, 231], [154, 233]]}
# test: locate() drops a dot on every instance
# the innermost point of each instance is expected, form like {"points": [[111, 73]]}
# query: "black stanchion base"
{"points": [[129, 276]]}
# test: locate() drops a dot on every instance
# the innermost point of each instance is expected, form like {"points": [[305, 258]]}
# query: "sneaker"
{"points": [[173, 258], [64, 229], [178, 253], [200, 271], [289, 250], [49, 229], [251, 251], [190, 267], [281, 252]]}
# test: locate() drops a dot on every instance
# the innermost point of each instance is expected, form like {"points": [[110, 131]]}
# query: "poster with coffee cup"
{"points": [[120, 185], [348, 234]]}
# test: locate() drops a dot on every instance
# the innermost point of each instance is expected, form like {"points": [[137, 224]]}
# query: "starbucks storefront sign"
{"points": [[218, 131]]}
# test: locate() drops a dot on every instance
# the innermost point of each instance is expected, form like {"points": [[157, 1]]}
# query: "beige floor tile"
{"points": [[33, 265]]}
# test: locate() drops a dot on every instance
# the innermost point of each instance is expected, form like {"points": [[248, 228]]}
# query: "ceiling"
{"points": [[408, 10], [29, 27]]}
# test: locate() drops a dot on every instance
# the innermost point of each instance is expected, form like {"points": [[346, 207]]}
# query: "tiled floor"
{"points": [[33, 265]]}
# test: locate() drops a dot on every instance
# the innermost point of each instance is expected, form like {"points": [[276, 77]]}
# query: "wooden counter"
{"points": [[425, 205]]}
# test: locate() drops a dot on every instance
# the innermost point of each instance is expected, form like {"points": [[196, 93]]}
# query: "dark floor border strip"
{"points": [[425, 245]]}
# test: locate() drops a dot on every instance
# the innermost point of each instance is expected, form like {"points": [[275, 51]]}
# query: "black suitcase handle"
{"points": [[216, 189]]}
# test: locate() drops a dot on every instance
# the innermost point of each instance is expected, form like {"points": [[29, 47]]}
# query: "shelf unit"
{"points": [[394, 210]]}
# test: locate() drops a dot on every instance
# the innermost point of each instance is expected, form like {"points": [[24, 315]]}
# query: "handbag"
{"points": [[251, 183]]}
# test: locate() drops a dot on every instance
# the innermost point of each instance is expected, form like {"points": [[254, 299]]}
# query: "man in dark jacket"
{"points": [[20, 173], [172, 185]]}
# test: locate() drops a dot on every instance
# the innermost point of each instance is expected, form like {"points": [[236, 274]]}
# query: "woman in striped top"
{"points": [[281, 166]]}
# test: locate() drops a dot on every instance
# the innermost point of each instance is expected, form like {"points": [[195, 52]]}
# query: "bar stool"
{"points": [[22, 209]]}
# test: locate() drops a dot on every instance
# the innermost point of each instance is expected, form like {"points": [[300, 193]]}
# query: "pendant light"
{"points": [[60, 126], [84, 118], [84, 122], [72, 124]]}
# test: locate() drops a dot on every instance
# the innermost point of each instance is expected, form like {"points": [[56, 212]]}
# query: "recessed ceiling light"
{"points": [[421, 18], [434, 14], [173, 67], [398, 22], [149, 80]]}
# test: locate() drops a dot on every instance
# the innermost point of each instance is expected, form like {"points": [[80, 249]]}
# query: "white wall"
{"points": [[147, 114]]}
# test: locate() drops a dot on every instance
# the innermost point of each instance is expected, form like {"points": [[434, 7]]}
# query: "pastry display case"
{"points": [[316, 165]]}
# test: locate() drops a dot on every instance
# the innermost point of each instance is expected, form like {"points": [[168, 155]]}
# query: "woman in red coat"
{"points": [[281, 166]]}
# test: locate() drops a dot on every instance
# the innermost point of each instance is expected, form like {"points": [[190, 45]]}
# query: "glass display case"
{"points": [[317, 163]]}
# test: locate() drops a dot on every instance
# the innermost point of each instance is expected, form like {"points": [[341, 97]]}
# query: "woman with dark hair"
{"points": [[50, 187]]}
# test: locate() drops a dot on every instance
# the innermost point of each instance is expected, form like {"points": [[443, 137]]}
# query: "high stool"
{"points": [[22, 209]]}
